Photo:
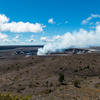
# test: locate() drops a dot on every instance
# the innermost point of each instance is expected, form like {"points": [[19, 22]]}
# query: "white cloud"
{"points": [[58, 37], [95, 15], [90, 18], [47, 39], [91, 23], [3, 36], [31, 40], [6, 40], [44, 26], [85, 22], [15, 39], [81, 38], [66, 22], [17, 36], [3, 19], [19, 27], [97, 23], [51, 21]]}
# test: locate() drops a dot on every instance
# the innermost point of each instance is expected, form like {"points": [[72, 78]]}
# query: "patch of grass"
{"points": [[60, 88], [47, 91], [8, 96], [97, 85]]}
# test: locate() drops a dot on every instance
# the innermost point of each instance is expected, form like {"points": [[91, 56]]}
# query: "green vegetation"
{"points": [[97, 85], [87, 67], [99, 76], [37, 83], [61, 77], [76, 70], [51, 84], [76, 83], [47, 91], [60, 68], [46, 84], [81, 69], [8, 96]]}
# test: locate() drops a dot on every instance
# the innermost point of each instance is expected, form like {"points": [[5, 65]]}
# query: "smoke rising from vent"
{"points": [[81, 38]]}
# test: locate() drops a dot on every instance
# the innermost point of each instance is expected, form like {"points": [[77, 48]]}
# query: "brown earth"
{"points": [[35, 74]]}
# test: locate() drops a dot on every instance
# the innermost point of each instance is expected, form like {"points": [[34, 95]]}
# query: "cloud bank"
{"points": [[81, 38], [18, 27]]}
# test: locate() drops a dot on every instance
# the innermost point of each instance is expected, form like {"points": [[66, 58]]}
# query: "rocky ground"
{"points": [[38, 76]]}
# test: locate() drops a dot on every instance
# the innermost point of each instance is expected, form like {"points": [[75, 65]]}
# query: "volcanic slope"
{"points": [[38, 75]]}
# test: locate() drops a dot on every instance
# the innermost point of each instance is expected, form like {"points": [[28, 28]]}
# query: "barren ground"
{"points": [[33, 75]]}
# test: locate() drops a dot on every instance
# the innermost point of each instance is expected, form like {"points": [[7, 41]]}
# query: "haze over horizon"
{"points": [[42, 22]]}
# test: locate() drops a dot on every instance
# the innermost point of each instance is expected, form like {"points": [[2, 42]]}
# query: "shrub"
{"points": [[76, 83], [61, 77], [76, 70], [37, 83], [51, 84], [47, 91], [46, 84], [65, 83], [88, 67], [60, 68], [8, 96], [97, 85], [99, 76], [80, 61], [81, 69]]}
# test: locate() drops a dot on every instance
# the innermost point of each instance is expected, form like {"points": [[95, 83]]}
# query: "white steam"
{"points": [[81, 38]]}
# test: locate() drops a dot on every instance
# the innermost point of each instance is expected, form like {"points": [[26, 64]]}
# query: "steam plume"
{"points": [[81, 38]]}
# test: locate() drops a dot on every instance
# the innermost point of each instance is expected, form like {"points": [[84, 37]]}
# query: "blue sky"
{"points": [[33, 22]]}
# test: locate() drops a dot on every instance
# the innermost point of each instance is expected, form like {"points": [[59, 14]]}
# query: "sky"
{"points": [[41, 22]]}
